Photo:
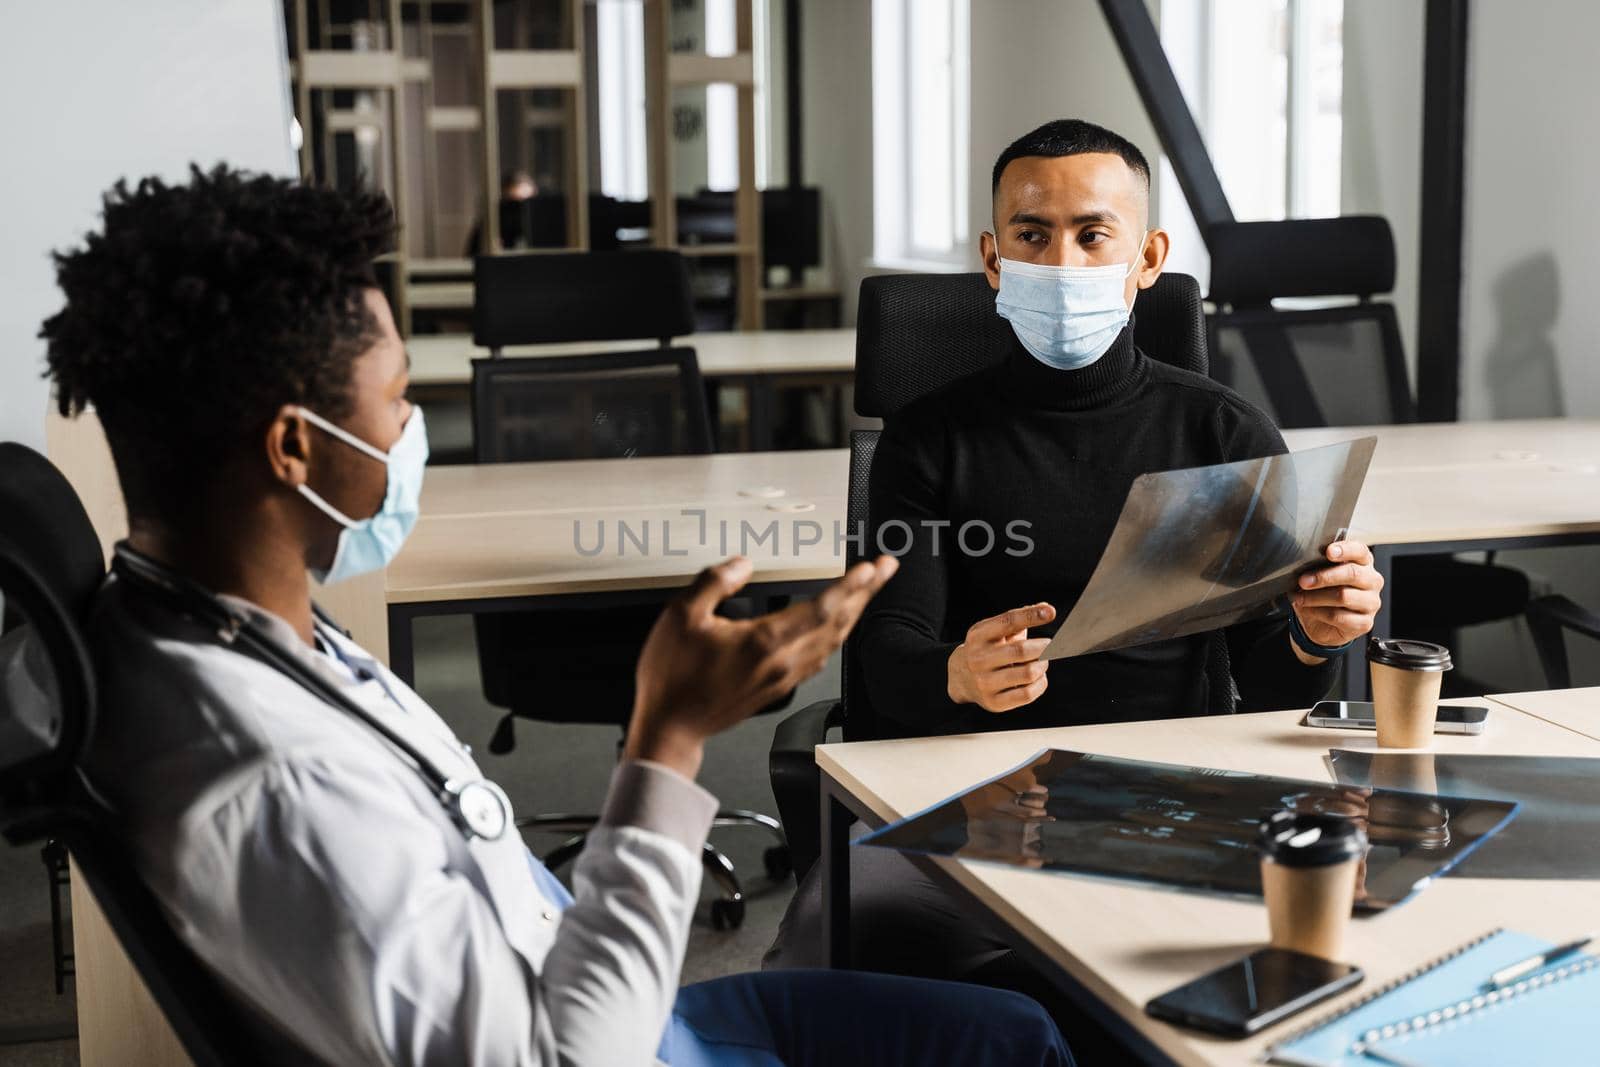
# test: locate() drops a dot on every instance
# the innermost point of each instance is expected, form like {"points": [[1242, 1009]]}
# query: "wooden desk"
{"points": [[1529, 444], [439, 268], [439, 296], [519, 543], [1577, 710], [1463, 487], [446, 359], [1118, 944], [507, 536]]}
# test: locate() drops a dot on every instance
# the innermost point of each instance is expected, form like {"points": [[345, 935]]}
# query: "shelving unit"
{"points": [[666, 70]]}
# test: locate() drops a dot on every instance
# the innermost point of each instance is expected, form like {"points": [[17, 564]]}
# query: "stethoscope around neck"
{"points": [[477, 806]]}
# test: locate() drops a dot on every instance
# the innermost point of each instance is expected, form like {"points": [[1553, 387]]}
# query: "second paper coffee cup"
{"points": [[1406, 678], [1308, 878]]}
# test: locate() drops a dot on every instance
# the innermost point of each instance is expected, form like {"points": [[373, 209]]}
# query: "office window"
{"points": [[722, 102], [920, 108], [619, 53], [1265, 80], [619, 31]]}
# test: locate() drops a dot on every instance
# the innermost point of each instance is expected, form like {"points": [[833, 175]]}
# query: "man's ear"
{"points": [[1153, 258], [989, 249], [288, 446]]}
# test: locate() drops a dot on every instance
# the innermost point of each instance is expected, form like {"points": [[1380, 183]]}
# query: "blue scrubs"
{"points": [[828, 1018]]}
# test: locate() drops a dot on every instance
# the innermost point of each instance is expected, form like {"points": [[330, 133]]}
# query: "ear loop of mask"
{"points": [[354, 442], [1138, 257]]}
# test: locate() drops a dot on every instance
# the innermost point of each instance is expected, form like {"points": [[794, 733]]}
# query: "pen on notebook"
{"points": [[1506, 975]]}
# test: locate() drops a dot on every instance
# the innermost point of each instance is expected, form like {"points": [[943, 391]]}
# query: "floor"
{"points": [[552, 768]]}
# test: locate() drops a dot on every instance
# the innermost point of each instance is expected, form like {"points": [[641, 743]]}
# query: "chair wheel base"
{"points": [[727, 914], [778, 862]]}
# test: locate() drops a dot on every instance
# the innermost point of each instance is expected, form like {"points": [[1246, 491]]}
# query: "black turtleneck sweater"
{"points": [[1058, 449]]}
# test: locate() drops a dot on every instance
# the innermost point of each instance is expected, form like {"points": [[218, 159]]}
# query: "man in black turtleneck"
{"points": [[1052, 438]]}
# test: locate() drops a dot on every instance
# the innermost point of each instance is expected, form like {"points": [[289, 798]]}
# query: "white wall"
{"points": [[1032, 61], [1037, 60], [1528, 336], [95, 90], [1381, 169], [1532, 327], [1533, 238], [836, 75]]}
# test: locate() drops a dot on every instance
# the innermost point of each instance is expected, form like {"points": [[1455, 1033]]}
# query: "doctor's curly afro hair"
{"points": [[197, 310]]}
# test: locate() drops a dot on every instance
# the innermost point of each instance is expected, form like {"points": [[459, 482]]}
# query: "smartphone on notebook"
{"points": [[1358, 715], [1251, 994]]}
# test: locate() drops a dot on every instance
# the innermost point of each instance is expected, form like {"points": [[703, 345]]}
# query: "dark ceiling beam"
{"points": [[1443, 207], [1140, 43]]}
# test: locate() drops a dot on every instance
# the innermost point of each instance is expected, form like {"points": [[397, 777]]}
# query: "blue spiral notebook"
{"points": [[1342, 1039], [1549, 1018]]}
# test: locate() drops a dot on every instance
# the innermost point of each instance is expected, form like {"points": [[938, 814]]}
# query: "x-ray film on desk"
{"points": [[1191, 828], [1207, 547]]}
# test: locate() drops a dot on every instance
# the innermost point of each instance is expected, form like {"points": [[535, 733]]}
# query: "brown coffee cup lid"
{"points": [[1408, 655], [1310, 839]]}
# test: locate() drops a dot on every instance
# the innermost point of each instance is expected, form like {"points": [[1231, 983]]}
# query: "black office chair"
{"points": [[1549, 620], [916, 333], [605, 406], [50, 568], [1339, 365], [577, 665], [551, 297]]}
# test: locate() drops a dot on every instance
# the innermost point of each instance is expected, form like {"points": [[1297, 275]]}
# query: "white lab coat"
{"points": [[316, 872]]}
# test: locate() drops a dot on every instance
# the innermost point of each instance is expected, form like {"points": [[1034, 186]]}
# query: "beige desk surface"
{"points": [[1129, 943], [446, 359], [522, 515], [1577, 710], [439, 296], [1410, 506], [1528, 444], [460, 268], [510, 529]]}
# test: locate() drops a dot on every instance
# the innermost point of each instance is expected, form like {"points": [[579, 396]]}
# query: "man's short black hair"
{"points": [[199, 309], [1071, 137]]}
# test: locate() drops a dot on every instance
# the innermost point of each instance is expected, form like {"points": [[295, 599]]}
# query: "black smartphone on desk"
{"points": [[1251, 994], [1358, 715]]}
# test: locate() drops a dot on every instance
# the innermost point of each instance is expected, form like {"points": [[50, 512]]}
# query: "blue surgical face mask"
{"points": [[1066, 317], [370, 544]]}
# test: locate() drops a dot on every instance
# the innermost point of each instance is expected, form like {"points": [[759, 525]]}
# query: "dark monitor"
{"points": [[538, 222], [791, 227], [791, 224]]}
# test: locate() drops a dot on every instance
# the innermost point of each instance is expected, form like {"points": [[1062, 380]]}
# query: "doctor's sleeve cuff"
{"points": [[654, 797]]}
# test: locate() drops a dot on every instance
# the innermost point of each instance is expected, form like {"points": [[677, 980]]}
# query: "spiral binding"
{"points": [[1334, 1016], [1464, 1008]]}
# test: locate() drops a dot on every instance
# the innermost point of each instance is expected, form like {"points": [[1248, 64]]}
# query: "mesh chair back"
{"points": [[1309, 366], [916, 333], [1334, 366], [860, 722], [548, 297], [609, 406]]}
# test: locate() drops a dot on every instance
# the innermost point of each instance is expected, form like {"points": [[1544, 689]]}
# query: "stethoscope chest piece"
{"points": [[480, 806]]}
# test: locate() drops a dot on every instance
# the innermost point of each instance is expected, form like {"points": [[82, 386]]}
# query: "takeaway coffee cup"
{"points": [[1406, 676], [1308, 877]]}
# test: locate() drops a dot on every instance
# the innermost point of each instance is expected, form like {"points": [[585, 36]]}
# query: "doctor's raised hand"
{"points": [[998, 667], [1337, 604], [700, 673]]}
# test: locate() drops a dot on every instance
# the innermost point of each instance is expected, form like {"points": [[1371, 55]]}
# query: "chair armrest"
{"points": [[796, 782], [1567, 614], [1548, 617]]}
